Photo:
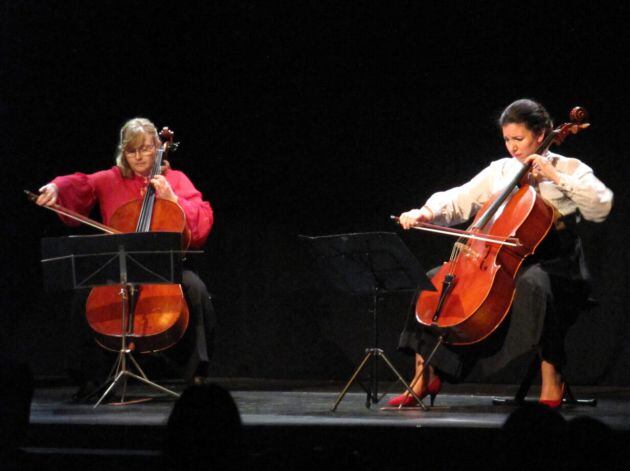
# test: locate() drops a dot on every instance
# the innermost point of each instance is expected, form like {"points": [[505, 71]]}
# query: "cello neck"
{"points": [[146, 212], [144, 219]]}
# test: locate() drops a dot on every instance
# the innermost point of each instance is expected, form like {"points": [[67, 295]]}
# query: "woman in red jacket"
{"points": [[126, 181]]}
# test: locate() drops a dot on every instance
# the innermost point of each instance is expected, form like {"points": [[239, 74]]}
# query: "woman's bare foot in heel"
{"points": [[425, 383], [552, 390]]}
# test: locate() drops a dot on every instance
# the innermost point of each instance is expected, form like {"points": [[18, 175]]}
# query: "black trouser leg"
{"points": [[194, 351]]}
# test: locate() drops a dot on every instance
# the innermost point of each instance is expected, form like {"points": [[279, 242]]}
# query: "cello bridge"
{"points": [[466, 250]]}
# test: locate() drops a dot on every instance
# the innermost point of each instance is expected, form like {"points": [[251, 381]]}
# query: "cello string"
{"points": [[150, 196], [144, 222]]}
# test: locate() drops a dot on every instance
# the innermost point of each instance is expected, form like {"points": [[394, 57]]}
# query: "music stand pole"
{"points": [[374, 374], [120, 370]]}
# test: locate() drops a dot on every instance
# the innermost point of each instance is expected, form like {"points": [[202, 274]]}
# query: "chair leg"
{"points": [[526, 384], [569, 398]]}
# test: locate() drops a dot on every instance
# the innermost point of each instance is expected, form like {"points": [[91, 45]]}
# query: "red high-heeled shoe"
{"points": [[407, 400], [553, 403]]}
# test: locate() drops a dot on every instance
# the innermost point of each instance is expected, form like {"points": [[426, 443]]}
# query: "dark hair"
{"points": [[204, 429], [528, 112], [532, 437]]}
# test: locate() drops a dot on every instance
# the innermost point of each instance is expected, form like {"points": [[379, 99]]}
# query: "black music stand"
{"points": [[371, 263], [122, 259]]}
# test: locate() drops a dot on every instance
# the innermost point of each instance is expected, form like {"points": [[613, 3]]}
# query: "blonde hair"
{"points": [[132, 136]]}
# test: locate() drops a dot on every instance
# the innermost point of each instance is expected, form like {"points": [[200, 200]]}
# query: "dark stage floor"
{"points": [[292, 423]]}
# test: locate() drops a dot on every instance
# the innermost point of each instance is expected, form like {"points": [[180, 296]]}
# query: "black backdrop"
{"points": [[311, 118]]}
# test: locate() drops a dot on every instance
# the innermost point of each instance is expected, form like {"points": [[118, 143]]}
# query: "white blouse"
{"points": [[579, 189]]}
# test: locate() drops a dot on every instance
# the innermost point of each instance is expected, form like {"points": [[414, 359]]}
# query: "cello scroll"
{"points": [[578, 117]]}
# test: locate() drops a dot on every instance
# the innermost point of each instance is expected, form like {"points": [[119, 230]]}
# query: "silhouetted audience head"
{"points": [[531, 438], [591, 444], [204, 430]]}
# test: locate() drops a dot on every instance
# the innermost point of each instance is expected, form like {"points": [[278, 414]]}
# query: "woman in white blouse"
{"points": [[553, 284]]}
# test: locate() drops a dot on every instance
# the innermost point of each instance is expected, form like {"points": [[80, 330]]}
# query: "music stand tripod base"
{"points": [[120, 372], [375, 353]]}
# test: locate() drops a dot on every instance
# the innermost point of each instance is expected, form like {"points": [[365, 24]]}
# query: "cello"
{"points": [[476, 287], [159, 314]]}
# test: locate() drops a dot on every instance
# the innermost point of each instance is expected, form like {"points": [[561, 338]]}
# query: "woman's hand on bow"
{"points": [[48, 195], [414, 217]]}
